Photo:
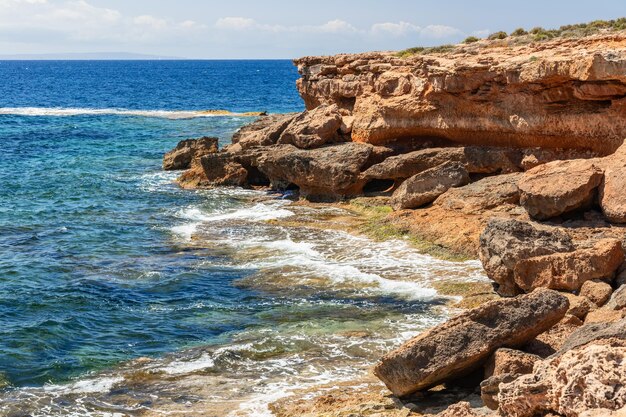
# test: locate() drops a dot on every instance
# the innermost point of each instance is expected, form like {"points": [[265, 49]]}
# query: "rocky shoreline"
{"points": [[513, 154]]}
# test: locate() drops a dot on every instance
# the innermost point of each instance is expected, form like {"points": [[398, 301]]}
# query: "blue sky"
{"points": [[271, 28]]}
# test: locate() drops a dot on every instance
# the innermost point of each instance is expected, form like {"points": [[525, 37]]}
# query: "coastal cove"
{"points": [[433, 232], [134, 294]]}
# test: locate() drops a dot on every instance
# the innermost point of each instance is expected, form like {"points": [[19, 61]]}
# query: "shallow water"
{"points": [[122, 294]]}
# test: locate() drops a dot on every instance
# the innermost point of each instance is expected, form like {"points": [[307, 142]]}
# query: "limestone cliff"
{"points": [[564, 93]]}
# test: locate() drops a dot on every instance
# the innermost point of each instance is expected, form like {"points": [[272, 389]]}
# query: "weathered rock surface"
{"points": [[593, 332], [510, 361], [425, 187], [484, 194], [597, 291], [611, 196], [220, 169], [320, 173], [550, 341], [186, 151], [588, 377], [505, 242], [465, 342], [313, 128], [265, 131], [569, 95], [559, 187], [579, 306], [568, 271]]}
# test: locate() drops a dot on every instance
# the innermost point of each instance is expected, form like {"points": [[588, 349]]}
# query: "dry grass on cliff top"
{"points": [[522, 36]]}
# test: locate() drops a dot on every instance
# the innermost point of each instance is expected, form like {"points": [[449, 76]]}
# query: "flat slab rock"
{"points": [[465, 342]]}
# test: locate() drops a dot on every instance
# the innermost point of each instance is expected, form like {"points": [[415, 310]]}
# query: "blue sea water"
{"points": [[86, 256], [104, 259]]}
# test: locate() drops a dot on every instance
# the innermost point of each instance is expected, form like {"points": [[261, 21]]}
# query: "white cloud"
{"points": [[148, 20], [440, 31], [335, 26], [395, 29], [236, 23]]}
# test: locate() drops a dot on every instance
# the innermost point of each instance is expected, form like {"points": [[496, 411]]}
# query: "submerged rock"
{"points": [[426, 186], [462, 344], [188, 150]]}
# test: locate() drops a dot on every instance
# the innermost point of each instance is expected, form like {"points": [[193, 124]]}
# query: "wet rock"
{"points": [[504, 242], [482, 195], [597, 291], [313, 128], [186, 151], [559, 187], [264, 131], [584, 378], [426, 186], [568, 271], [464, 343]]}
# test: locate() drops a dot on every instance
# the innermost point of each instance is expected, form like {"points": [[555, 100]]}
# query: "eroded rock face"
{"points": [[482, 195], [462, 344], [221, 170], [612, 197], [585, 378], [188, 150], [597, 291], [322, 173], [504, 242], [559, 187], [313, 128], [426, 186], [568, 271], [570, 95], [264, 131]]}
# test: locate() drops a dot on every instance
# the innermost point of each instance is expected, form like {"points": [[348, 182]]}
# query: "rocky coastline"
{"points": [[514, 154]]}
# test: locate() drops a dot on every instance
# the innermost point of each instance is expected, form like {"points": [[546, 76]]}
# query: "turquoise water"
{"points": [[104, 260]]}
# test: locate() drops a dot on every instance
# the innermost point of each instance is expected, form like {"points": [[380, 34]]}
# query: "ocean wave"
{"points": [[258, 213], [78, 111]]}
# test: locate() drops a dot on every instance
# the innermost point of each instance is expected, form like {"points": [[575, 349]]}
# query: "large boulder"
{"points": [[504, 242], [484, 194], [568, 271], [425, 187], [325, 173], [188, 150], [264, 131], [611, 192], [222, 170], [313, 128], [464, 343], [475, 159], [586, 378], [559, 187]]}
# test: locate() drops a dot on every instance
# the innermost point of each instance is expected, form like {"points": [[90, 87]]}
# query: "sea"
{"points": [[122, 294]]}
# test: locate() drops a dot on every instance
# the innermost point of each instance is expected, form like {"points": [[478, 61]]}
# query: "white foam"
{"points": [[205, 361], [78, 111], [85, 386], [257, 213]]}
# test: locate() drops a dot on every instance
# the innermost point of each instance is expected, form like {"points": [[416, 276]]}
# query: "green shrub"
{"points": [[471, 39], [519, 32], [498, 35], [536, 30]]}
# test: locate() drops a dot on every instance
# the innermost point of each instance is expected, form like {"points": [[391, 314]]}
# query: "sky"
{"points": [[243, 29]]}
